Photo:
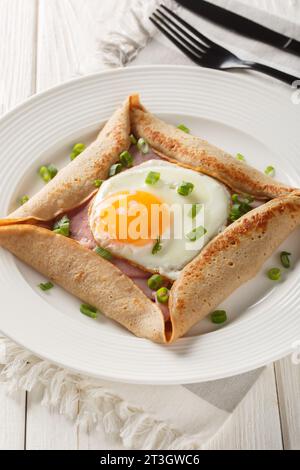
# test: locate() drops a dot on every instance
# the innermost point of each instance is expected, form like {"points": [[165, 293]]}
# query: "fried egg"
{"points": [[144, 216]]}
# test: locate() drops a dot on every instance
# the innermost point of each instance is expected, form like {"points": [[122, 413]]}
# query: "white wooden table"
{"points": [[42, 43]]}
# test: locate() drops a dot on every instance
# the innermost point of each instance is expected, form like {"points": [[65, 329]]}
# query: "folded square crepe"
{"points": [[229, 260]]}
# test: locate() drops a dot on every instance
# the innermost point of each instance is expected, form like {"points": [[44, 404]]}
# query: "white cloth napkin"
{"points": [[150, 417], [128, 416], [130, 31]]}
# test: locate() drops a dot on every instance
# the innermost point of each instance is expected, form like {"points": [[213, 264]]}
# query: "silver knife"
{"points": [[241, 25]]}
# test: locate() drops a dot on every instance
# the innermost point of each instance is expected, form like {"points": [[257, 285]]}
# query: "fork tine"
{"points": [[180, 46], [188, 44], [193, 40], [208, 42]]}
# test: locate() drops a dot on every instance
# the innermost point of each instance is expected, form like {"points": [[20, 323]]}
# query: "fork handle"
{"points": [[284, 77]]}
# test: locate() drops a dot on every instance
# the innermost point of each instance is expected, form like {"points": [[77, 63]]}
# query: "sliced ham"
{"points": [[142, 284], [79, 226]]}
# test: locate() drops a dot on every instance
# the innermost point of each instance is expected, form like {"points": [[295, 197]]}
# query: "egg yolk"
{"points": [[133, 217]]}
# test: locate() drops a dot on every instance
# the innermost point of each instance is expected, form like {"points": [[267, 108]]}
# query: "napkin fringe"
{"points": [[87, 402]]}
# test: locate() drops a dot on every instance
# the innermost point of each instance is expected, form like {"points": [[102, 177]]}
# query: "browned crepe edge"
{"points": [[231, 259], [193, 152]]}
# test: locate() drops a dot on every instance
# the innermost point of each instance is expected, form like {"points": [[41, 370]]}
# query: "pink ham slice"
{"points": [[142, 284], [79, 226], [80, 231]]}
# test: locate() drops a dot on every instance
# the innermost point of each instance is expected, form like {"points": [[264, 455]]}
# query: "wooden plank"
{"points": [[288, 385], [17, 51], [67, 30], [12, 420], [17, 58], [47, 430], [64, 37], [255, 424]]}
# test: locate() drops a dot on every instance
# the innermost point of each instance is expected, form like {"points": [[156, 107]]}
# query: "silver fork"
{"points": [[202, 50]]}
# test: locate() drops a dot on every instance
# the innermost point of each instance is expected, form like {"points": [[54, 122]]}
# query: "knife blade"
{"points": [[241, 25]]}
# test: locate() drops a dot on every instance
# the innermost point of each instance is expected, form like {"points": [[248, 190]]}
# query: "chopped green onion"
{"points": [[44, 173], [23, 200], [155, 282], [285, 259], [235, 212], [89, 311], [248, 199], [103, 252], [185, 189], [77, 150], [240, 157], [133, 139], [45, 286], [196, 234], [152, 178], [143, 146], [126, 159], [162, 295], [62, 226], [270, 171], [157, 246], [47, 172], [183, 128], [218, 317], [98, 183], [52, 170], [240, 207], [274, 274], [196, 208], [115, 169]]}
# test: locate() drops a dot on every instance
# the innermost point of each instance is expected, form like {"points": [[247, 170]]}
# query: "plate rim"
{"points": [[76, 80]]}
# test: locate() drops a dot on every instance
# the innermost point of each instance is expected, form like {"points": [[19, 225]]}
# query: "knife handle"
{"points": [[284, 77], [292, 46]]}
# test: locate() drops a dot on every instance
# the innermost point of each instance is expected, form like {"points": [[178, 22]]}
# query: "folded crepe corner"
{"points": [[135, 102], [86, 275], [75, 182]]}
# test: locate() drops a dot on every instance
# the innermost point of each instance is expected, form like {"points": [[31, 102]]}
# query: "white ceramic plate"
{"points": [[232, 111]]}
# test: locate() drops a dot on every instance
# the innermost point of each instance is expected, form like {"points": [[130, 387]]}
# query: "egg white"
{"points": [[175, 253]]}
